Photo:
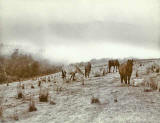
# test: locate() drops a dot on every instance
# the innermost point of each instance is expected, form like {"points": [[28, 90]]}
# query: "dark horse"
{"points": [[87, 69], [114, 63], [125, 71]]}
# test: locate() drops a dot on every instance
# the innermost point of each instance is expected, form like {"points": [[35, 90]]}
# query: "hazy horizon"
{"points": [[75, 31]]}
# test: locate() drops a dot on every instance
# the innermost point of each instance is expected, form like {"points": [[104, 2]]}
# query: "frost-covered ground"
{"points": [[73, 102]]}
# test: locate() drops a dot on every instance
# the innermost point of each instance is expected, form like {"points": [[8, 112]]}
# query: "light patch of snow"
{"points": [[73, 102]]}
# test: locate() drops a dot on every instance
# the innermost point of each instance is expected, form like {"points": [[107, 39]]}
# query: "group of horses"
{"points": [[125, 70], [77, 70]]}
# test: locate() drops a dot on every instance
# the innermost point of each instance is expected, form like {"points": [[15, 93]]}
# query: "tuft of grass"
{"points": [[95, 100], [20, 95], [32, 106], [147, 90], [49, 79], [19, 91], [43, 96], [157, 70], [39, 83], [115, 100], [52, 102], [7, 84], [137, 74], [32, 86], [23, 86]]}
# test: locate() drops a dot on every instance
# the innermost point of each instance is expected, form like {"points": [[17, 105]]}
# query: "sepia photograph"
{"points": [[79, 61]]}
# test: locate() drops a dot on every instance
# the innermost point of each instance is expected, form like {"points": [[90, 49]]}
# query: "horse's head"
{"points": [[130, 62]]}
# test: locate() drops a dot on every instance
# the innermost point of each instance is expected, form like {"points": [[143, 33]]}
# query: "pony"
{"points": [[114, 63], [125, 71]]}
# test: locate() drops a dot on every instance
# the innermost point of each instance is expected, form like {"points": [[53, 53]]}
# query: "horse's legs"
{"points": [[71, 77], [129, 79], [121, 78], [85, 73], [88, 74], [125, 79]]}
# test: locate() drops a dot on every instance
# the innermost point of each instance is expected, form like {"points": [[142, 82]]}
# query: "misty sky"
{"points": [[79, 30]]}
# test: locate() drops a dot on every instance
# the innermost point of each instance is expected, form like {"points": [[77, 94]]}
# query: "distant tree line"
{"points": [[19, 66]]}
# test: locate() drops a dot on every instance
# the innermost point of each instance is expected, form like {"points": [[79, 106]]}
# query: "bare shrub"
{"points": [[32, 105], [95, 100], [153, 82], [43, 95]]}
